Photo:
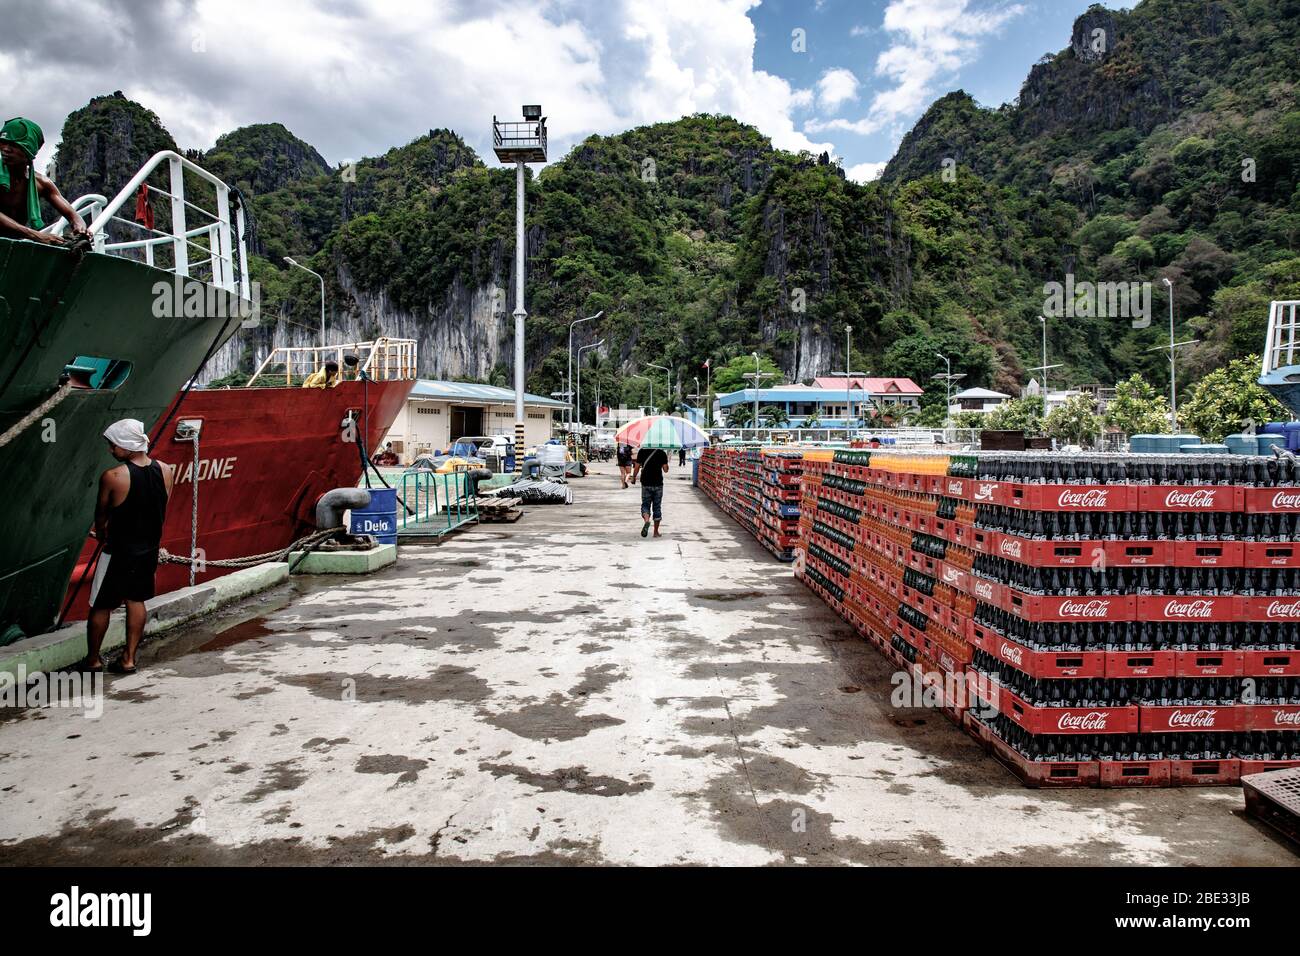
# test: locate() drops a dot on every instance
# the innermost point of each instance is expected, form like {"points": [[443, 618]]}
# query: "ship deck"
{"points": [[556, 690]]}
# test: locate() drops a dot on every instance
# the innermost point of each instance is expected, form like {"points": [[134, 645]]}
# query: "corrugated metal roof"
{"points": [[473, 392]]}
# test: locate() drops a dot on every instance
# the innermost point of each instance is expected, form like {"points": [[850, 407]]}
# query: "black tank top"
{"points": [[135, 526]]}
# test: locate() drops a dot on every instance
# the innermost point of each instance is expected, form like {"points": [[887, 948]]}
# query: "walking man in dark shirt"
{"points": [[128, 521], [651, 464]]}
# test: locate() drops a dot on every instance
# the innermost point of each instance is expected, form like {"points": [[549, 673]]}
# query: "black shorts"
{"points": [[123, 577]]}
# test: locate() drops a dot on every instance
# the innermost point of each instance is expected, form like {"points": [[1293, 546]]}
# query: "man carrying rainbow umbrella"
{"points": [[655, 435]]}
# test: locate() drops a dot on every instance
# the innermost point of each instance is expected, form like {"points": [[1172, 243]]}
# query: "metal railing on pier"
{"points": [[432, 505]]}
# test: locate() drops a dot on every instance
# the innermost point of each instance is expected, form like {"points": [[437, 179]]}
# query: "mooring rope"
{"points": [[310, 541], [35, 414]]}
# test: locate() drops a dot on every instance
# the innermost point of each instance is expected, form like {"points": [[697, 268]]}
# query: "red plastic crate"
{"points": [[1134, 773], [1141, 663], [1270, 609], [1270, 663], [1152, 554], [1208, 554], [1202, 773], [1045, 774], [1265, 500], [1270, 554], [1033, 607], [1271, 717], [1189, 498], [1208, 663], [1071, 497], [1191, 608], [1190, 717]]}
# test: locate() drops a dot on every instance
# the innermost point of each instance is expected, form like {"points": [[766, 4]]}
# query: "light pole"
{"points": [[697, 387], [848, 379], [590, 318], [708, 378], [520, 144], [669, 373], [581, 349], [652, 388], [1173, 392], [1043, 320], [757, 382], [299, 265], [947, 390]]}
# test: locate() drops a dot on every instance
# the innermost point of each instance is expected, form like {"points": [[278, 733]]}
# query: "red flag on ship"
{"points": [[144, 207]]}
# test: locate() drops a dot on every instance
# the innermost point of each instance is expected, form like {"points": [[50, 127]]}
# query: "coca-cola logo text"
{"points": [[1284, 500], [1200, 498], [1286, 718], [1010, 547], [1189, 609], [1205, 717], [1282, 609], [1092, 498], [1093, 720], [1011, 653], [984, 589], [1084, 608], [956, 489]]}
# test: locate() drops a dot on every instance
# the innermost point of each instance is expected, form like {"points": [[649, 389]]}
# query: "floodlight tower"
{"points": [[520, 143]]}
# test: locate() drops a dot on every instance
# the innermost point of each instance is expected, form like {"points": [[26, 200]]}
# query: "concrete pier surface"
{"points": [[557, 690]]}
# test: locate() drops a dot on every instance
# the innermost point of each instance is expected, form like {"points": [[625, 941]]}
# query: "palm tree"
{"points": [[889, 414], [775, 415], [739, 416]]}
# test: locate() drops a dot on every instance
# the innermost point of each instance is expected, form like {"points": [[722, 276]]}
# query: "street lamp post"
{"points": [[652, 388], [299, 265], [581, 349], [520, 144], [848, 379], [758, 380], [1173, 387], [569, 386], [669, 373], [947, 391], [1043, 320]]}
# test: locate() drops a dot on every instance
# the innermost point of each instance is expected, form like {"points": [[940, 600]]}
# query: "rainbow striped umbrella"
{"points": [[661, 431]]}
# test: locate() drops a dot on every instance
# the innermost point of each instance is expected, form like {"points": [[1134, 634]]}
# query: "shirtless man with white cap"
{"points": [[128, 521]]}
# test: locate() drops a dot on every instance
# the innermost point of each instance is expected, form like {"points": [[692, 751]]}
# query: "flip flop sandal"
{"points": [[117, 667], [645, 529]]}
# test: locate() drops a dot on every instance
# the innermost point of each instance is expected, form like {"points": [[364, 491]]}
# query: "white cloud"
{"points": [[356, 77], [931, 39], [864, 172], [835, 88]]}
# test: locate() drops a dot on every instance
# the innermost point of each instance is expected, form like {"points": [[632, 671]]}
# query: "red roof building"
{"points": [[874, 387]]}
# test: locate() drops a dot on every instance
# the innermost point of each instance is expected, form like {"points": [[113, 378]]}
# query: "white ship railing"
{"points": [[383, 360], [1280, 346], [215, 250]]}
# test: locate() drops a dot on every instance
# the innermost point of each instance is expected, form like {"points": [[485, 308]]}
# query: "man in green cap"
{"points": [[22, 188]]}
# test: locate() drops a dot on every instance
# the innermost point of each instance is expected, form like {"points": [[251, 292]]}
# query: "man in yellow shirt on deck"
{"points": [[326, 377]]}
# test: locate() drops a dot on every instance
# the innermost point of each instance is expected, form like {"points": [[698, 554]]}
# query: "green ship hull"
{"points": [[57, 309]]}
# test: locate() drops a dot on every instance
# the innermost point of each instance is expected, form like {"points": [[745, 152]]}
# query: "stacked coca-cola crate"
{"points": [[1128, 620], [778, 516], [737, 479]]}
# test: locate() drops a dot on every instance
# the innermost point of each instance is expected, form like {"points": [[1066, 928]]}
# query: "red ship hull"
{"points": [[265, 456]]}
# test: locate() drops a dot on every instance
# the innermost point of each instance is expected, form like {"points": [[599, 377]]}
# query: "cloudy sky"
{"points": [[356, 77]]}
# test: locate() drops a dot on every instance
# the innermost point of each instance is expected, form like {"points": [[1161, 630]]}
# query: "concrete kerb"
{"points": [[344, 562], [64, 647]]}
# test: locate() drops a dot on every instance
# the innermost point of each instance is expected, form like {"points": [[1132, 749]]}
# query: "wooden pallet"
{"points": [[499, 510]]}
